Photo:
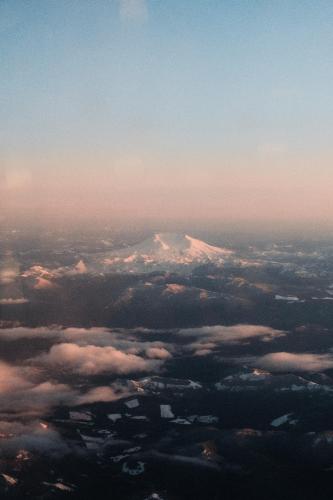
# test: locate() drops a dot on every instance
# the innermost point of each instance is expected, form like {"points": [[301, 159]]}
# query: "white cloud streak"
{"points": [[208, 338]]}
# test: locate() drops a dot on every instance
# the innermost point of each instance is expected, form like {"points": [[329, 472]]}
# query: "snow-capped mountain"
{"points": [[165, 251], [161, 252], [43, 277]]}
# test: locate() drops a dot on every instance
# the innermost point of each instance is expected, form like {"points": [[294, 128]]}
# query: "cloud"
{"points": [[231, 333], [30, 391], [11, 301], [8, 275], [102, 393], [92, 360], [48, 394], [21, 394], [124, 340], [202, 352], [133, 10], [157, 353], [82, 336], [31, 437], [200, 341], [291, 362], [210, 337], [24, 397], [11, 379]]}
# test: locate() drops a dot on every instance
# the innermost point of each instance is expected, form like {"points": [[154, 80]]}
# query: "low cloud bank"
{"points": [[293, 362], [18, 440], [30, 391], [20, 394]]}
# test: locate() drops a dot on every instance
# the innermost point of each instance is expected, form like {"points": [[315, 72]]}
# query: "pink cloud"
{"points": [[291, 362], [91, 360]]}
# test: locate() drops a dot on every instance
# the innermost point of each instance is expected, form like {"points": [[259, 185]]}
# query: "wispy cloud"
{"points": [[20, 394], [207, 338], [133, 10]]}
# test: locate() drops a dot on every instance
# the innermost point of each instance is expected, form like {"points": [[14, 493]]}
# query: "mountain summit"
{"points": [[166, 251]]}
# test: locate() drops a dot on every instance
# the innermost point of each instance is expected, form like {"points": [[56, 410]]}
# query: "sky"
{"points": [[194, 110]]}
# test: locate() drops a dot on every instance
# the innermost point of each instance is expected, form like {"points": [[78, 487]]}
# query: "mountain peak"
{"points": [[167, 251]]}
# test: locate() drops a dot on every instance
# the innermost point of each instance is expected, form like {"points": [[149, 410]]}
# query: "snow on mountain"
{"points": [[259, 380], [40, 272], [43, 277], [171, 252], [80, 267], [165, 250]]}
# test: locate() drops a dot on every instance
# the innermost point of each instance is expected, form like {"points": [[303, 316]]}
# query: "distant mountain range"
{"points": [[169, 252]]}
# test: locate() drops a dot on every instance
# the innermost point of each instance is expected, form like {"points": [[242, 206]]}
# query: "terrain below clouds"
{"points": [[167, 368]]}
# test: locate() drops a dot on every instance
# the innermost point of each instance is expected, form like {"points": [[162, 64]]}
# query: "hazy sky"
{"points": [[207, 109]]}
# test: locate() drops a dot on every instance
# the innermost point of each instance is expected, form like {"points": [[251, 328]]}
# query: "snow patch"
{"points": [[288, 298], [133, 403], [114, 417], [166, 411], [80, 416], [281, 420]]}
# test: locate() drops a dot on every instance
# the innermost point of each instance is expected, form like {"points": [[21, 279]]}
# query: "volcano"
{"points": [[166, 251]]}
